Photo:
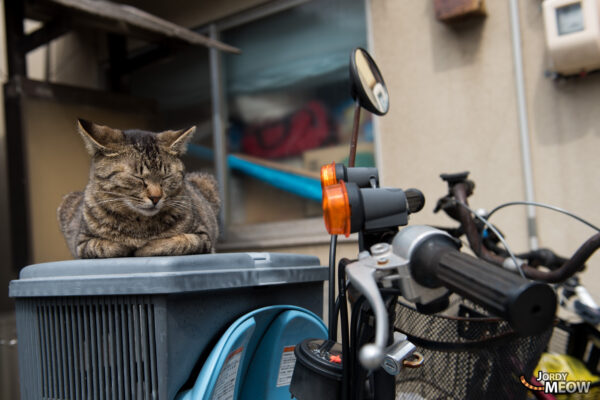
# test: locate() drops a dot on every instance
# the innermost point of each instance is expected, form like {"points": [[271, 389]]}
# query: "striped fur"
{"points": [[139, 201]]}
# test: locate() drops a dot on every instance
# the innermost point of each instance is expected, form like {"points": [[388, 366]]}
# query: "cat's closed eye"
{"points": [[107, 175], [171, 182], [131, 181], [139, 179]]}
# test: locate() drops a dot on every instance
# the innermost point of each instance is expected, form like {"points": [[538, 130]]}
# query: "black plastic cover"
{"points": [[317, 374]]}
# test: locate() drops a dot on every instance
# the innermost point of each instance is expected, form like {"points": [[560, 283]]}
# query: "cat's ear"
{"points": [[99, 138], [176, 141]]}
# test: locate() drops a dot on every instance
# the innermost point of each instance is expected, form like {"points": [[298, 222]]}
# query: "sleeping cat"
{"points": [[139, 201]]}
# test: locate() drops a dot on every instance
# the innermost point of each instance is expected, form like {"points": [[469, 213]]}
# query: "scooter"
{"points": [[422, 264], [114, 340]]}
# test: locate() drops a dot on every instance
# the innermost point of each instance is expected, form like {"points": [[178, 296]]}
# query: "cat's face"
{"points": [[136, 170]]}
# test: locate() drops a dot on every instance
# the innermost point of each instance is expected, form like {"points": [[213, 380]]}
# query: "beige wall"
{"points": [[453, 108]]}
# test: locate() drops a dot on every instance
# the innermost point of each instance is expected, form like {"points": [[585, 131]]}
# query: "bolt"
{"points": [[379, 249]]}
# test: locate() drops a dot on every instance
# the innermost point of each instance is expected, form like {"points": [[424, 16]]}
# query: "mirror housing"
{"points": [[367, 83]]}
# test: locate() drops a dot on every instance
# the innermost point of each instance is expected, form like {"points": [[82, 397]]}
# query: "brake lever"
{"points": [[385, 266], [381, 266], [363, 278]]}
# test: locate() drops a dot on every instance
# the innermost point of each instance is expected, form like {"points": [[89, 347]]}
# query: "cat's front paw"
{"points": [[176, 246], [101, 248]]}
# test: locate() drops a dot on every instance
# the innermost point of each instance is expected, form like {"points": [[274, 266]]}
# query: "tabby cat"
{"points": [[139, 201]]}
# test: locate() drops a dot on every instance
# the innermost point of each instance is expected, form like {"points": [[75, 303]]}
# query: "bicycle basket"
{"points": [[468, 355]]}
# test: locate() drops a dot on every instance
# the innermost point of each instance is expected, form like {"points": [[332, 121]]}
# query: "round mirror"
{"points": [[367, 83]]}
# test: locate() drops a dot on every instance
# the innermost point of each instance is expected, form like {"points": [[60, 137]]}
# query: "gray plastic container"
{"points": [[136, 328]]}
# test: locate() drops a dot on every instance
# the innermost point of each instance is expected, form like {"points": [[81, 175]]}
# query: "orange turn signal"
{"points": [[336, 209], [328, 175]]}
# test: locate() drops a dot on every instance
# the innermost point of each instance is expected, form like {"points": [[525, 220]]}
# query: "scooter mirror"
{"points": [[367, 83]]}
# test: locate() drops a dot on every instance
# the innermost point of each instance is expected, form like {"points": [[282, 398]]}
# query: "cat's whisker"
{"points": [[181, 207], [176, 203], [109, 201]]}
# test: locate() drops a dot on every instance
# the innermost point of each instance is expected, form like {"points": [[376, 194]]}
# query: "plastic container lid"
{"points": [[164, 275]]}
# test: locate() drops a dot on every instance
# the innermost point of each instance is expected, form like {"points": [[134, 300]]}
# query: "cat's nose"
{"points": [[154, 199], [154, 193]]}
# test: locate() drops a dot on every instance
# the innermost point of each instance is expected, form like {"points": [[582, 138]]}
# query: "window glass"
{"points": [[289, 104]]}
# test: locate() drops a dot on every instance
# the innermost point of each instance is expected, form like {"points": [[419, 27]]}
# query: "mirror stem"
{"points": [[354, 139], [333, 315]]}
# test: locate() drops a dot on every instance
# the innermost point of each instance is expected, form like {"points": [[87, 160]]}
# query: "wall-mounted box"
{"points": [[573, 35], [458, 10]]}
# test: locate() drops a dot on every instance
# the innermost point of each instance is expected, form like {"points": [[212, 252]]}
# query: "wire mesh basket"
{"points": [[468, 355], [580, 340]]}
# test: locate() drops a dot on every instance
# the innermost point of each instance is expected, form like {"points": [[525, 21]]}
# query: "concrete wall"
{"points": [[453, 108]]}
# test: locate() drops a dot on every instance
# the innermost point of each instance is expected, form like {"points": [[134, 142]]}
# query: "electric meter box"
{"points": [[573, 35], [89, 328]]}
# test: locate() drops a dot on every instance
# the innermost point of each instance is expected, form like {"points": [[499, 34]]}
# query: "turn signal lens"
{"points": [[328, 175], [336, 209]]}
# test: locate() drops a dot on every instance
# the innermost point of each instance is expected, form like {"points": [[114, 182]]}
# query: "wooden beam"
{"points": [[18, 195], [48, 32], [72, 94], [13, 25], [122, 19], [280, 166]]}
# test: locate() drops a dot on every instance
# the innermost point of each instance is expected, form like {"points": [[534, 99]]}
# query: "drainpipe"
{"points": [[523, 122]]}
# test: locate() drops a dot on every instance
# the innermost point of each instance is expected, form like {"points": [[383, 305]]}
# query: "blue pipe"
{"points": [[309, 188]]}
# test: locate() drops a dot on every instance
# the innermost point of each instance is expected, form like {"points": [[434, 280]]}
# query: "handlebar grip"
{"points": [[415, 200], [528, 306]]}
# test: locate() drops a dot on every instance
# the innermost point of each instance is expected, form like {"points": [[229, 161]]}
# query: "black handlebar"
{"points": [[528, 306], [460, 188]]}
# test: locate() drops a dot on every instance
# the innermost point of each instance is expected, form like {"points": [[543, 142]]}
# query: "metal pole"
{"points": [[219, 114], [523, 122], [354, 138]]}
